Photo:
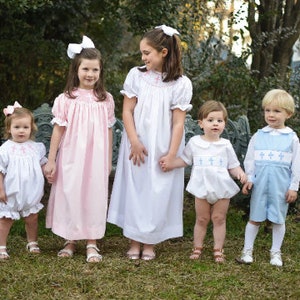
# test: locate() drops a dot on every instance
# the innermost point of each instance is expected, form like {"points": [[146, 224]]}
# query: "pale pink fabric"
{"points": [[78, 199]]}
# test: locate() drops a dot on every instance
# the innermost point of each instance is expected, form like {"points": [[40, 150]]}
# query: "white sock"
{"points": [[250, 235], [278, 233]]}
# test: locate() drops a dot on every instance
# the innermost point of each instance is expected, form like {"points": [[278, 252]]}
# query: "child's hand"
{"points": [[291, 196], [138, 153], [242, 177], [50, 171], [247, 187], [169, 162], [166, 163], [3, 197]]}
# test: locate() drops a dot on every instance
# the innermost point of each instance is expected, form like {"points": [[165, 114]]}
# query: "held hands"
{"points": [[247, 187], [138, 153], [242, 177], [239, 174], [167, 163], [50, 171]]}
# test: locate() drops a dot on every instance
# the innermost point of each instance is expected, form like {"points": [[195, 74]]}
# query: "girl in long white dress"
{"points": [[21, 177], [146, 202]]}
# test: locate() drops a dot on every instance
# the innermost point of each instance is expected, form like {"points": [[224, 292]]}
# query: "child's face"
{"points": [[88, 73], [151, 57], [20, 129], [213, 125], [276, 116]]}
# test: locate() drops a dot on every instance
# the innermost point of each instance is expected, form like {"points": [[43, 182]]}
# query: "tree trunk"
{"points": [[274, 27]]}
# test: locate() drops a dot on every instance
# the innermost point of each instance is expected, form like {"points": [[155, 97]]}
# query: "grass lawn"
{"points": [[171, 276]]}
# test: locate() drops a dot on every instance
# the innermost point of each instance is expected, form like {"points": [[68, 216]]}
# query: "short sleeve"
{"points": [[42, 153], [59, 110], [233, 161], [110, 110], [182, 96], [187, 154], [3, 160], [131, 84]]}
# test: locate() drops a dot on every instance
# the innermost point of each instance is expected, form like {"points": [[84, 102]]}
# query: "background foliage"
{"points": [[34, 36]]}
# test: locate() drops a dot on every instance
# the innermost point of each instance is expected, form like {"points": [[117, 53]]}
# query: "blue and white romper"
{"points": [[272, 163]]}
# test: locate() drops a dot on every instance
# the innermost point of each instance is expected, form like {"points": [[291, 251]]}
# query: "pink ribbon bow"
{"points": [[10, 108]]}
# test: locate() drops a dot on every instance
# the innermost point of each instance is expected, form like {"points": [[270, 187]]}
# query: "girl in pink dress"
{"points": [[80, 153]]}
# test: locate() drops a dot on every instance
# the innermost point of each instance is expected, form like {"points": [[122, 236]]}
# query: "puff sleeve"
{"points": [[59, 110], [182, 94], [131, 85]]}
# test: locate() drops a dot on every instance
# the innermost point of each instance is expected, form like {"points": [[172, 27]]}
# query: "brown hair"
{"points": [[73, 80], [210, 106], [172, 67], [19, 112]]}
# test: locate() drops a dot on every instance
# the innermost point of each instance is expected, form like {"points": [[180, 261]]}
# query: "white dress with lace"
{"points": [[23, 178], [146, 202]]}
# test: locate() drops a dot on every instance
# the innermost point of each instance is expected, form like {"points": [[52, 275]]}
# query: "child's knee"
{"points": [[218, 219], [202, 220]]}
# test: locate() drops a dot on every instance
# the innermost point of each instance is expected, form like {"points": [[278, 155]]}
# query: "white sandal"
{"points": [[33, 247], [3, 253], [66, 252], [93, 255]]}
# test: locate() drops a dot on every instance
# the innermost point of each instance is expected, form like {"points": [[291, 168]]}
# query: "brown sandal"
{"points": [[219, 256], [196, 254]]}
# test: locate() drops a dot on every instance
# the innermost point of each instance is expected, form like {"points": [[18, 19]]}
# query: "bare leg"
{"points": [[5, 225], [31, 227], [219, 212], [202, 208]]}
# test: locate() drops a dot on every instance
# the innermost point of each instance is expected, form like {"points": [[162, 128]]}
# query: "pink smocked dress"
{"points": [[78, 199]]}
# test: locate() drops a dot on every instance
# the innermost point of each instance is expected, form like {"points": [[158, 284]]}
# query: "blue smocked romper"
{"points": [[273, 157]]}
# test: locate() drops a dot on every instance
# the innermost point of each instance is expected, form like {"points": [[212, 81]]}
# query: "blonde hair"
{"points": [[19, 112], [281, 98], [210, 106]]}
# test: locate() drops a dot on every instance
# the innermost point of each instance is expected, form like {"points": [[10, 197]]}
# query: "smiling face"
{"points": [[20, 129], [275, 116], [88, 73], [213, 125], [152, 58]]}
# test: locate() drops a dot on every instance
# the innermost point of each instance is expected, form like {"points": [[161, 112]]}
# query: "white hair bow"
{"points": [[74, 49], [168, 30], [11, 108]]}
